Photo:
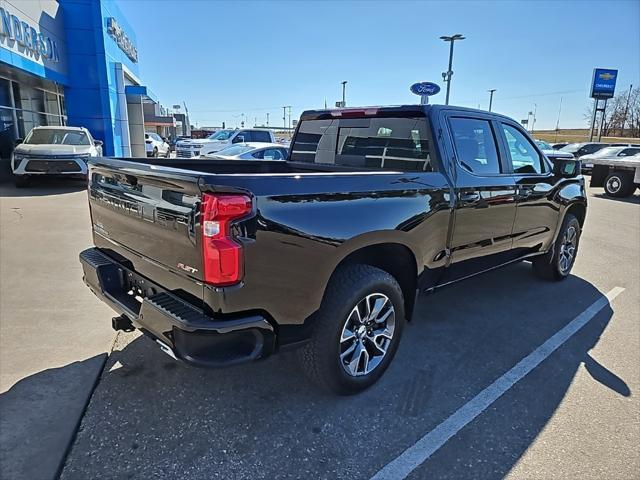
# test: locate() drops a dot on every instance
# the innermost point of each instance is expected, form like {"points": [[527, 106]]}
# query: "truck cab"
{"points": [[221, 139]]}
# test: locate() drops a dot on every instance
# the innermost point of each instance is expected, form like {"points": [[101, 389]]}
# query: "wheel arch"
{"points": [[397, 259]]}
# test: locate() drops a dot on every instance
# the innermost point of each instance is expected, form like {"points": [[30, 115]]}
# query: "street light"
{"points": [[344, 97], [491, 97], [446, 76]]}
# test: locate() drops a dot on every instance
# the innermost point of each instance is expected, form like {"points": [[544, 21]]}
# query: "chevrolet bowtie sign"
{"points": [[125, 44], [603, 84]]}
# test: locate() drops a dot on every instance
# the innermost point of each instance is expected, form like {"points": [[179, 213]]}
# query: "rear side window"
{"points": [[259, 136], [475, 145], [376, 143], [628, 152]]}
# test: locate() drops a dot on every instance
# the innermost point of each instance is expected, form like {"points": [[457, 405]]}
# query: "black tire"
{"points": [[155, 152], [21, 181], [550, 266], [321, 357], [619, 184], [168, 154]]}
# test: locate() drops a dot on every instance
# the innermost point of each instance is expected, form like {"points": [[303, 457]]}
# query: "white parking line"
{"points": [[419, 452]]}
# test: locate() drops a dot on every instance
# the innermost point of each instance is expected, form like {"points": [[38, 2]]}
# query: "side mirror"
{"points": [[19, 141], [566, 167], [239, 139], [98, 143]]}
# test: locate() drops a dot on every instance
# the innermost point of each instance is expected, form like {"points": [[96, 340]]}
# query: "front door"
{"points": [[485, 206], [536, 213]]}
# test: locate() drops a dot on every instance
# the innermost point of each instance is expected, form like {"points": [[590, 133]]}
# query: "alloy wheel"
{"points": [[367, 334], [568, 249]]}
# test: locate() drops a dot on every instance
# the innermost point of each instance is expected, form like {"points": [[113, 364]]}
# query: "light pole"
{"points": [[284, 116], [344, 95], [267, 119], [491, 97], [446, 76]]}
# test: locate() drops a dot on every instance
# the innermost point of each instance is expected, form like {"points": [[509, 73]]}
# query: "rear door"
{"points": [[485, 204]]}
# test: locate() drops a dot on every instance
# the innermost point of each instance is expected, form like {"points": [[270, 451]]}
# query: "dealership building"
{"points": [[74, 62]]}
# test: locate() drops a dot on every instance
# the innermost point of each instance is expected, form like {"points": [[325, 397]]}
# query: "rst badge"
{"points": [[187, 268]]}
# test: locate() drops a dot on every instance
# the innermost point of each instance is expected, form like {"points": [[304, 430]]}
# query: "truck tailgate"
{"points": [[149, 212]]}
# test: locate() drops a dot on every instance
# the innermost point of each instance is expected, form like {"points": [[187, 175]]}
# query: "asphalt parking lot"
{"points": [[575, 415]]}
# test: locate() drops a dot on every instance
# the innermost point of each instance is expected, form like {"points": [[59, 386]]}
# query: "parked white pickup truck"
{"points": [[222, 139], [619, 176]]}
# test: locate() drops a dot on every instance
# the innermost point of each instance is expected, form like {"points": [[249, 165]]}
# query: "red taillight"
{"points": [[221, 254]]}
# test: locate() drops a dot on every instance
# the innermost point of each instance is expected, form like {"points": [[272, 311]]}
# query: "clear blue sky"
{"points": [[229, 58]]}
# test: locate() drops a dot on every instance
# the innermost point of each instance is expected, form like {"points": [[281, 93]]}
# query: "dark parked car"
{"points": [[222, 262]]}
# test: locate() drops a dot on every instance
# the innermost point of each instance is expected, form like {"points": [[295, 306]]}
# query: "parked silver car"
{"points": [[253, 151], [53, 151]]}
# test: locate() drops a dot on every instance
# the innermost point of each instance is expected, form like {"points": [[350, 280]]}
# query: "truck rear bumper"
{"points": [[182, 330]]}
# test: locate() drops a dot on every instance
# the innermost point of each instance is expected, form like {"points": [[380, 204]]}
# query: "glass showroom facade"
{"points": [[71, 62]]}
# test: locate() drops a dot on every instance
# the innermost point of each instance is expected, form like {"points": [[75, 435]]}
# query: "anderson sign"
{"points": [[29, 40]]}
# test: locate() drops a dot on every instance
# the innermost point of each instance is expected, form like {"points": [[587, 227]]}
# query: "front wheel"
{"points": [[619, 184], [155, 152], [557, 264], [357, 330]]}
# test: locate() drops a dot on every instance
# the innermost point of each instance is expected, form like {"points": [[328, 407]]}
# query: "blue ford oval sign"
{"points": [[425, 88]]}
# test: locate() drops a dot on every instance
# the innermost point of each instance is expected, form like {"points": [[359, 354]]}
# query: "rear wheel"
{"points": [[155, 152], [557, 264], [619, 184], [356, 331]]}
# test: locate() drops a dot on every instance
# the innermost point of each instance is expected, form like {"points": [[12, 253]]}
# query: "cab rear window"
{"points": [[372, 143]]}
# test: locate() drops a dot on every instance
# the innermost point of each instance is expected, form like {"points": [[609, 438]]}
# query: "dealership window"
{"points": [[24, 106]]}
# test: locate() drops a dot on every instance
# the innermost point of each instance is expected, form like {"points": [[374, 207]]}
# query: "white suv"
{"points": [[155, 145], [53, 151], [222, 139]]}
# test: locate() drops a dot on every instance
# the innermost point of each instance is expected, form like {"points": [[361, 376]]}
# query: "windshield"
{"points": [[572, 147], [543, 145], [50, 136], [235, 150], [221, 135]]}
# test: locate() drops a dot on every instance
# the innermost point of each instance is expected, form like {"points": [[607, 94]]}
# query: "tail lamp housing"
{"points": [[222, 258]]}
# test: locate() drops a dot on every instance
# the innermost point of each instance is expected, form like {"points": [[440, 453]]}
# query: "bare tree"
{"points": [[620, 117]]}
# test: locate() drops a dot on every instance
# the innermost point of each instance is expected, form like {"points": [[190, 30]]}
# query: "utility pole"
{"points": [[626, 111], [558, 121], [446, 76], [267, 119], [289, 125], [255, 121], [344, 95], [284, 116], [491, 97], [535, 109]]}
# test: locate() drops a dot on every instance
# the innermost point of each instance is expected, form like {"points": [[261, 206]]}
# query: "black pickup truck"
{"points": [[222, 262]]}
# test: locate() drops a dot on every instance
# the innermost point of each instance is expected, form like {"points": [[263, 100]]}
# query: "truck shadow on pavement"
{"points": [[151, 417], [42, 187], [34, 432]]}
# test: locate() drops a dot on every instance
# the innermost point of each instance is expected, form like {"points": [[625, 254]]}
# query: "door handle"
{"points": [[469, 197]]}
